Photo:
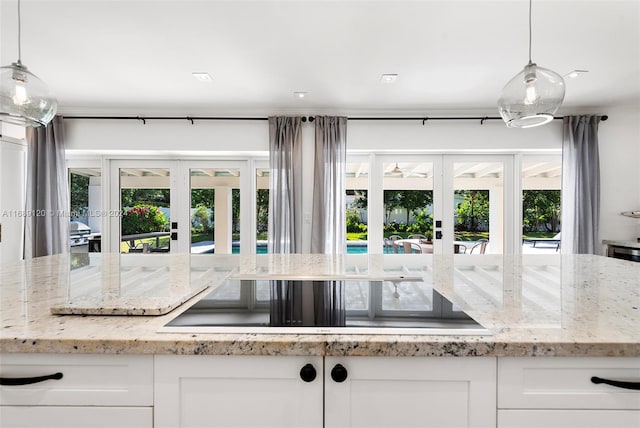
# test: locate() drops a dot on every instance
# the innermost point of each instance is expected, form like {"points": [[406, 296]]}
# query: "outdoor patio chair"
{"points": [[411, 248], [394, 238], [389, 247], [417, 236], [481, 246], [553, 240]]}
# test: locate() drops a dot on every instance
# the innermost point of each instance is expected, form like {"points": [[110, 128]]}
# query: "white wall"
{"points": [[12, 198], [619, 148], [452, 136], [619, 139], [161, 137], [180, 137]]}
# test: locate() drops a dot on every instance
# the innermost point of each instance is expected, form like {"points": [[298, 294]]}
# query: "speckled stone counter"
{"points": [[628, 244], [533, 305]]}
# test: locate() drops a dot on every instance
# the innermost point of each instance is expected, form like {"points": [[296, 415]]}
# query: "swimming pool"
{"points": [[355, 248]]}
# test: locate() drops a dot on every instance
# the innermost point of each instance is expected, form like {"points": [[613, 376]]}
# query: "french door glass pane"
{"points": [[145, 199], [478, 207], [356, 206], [541, 183], [215, 210], [408, 206], [262, 209], [86, 209]]}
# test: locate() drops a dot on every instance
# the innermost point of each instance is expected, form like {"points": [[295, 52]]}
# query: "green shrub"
{"points": [[143, 218], [354, 225], [201, 219]]}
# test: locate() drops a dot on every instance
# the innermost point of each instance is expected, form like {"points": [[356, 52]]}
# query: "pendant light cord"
{"points": [[529, 31], [19, 36]]}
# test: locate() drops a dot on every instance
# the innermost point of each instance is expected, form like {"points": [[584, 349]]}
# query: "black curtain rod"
{"points": [[191, 119]]}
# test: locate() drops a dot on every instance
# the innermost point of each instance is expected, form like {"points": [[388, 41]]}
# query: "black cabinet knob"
{"points": [[308, 373], [339, 373]]}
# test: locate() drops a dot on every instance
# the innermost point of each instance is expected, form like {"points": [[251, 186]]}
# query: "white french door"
{"points": [[479, 203], [454, 201], [180, 206], [405, 200], [216, 206], [144, 191]]}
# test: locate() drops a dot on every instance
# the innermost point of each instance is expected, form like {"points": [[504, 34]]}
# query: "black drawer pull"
{"points": [[28, 380], [617, 383]]}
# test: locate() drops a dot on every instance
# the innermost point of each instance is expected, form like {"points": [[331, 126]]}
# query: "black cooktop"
{"points": [[335, 305]]}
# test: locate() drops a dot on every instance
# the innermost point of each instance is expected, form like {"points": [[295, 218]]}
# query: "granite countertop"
{"points": [[533, 305], [628, 244]]}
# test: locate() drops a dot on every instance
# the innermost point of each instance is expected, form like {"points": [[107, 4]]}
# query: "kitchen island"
{"points": [[538, 305], [121, 369]]}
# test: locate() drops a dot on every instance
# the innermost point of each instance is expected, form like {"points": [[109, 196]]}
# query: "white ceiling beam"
{"points": [[490, 170], [552, 169]]}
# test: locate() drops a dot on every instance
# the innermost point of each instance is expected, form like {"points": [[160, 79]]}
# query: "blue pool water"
{"points": [[262, 249]]}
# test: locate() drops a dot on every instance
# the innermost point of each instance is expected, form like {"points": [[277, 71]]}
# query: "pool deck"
{"points": [[527, 247]]}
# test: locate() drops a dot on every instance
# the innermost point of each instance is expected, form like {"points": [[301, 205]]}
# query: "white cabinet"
{"points": [[568, 418], [75, 417], [256, 391], [92, 391], [558, 392], [410, 392], [237, 391]]}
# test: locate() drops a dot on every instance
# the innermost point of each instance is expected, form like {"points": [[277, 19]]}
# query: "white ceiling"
{"points": [[136, 57]]}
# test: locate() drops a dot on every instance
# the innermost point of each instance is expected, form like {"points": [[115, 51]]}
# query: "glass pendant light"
{"points": [[24, 98], [533, 96]]}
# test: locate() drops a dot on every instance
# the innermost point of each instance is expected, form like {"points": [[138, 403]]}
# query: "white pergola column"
{"points": [[496, 220], [223, 220], [95, 204]]}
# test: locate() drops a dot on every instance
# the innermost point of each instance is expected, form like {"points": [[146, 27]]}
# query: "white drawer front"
{"points": [[568, 418], [105, 380], [75, 417], [565, 383]]}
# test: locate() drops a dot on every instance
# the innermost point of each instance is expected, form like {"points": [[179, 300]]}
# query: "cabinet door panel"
{"points": [[568, 418], [88, 380], [565, 383], [75, 417], [239, 391], [411, 392]]}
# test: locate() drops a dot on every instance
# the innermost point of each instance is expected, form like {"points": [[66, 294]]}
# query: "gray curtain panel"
{"points": [[328, 229], [580, 185], [47, 226], [285, 185]]}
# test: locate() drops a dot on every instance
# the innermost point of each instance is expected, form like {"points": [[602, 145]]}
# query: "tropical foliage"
{"points": [[354, 225], [79, 190], [262, 210], [473, 212], [541, 210], [156, 197], [143, 218]]}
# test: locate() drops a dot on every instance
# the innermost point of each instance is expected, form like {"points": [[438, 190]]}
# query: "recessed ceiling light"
{"points": [[300, 94], [573, 74], [202, 76], [388, 78]]}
